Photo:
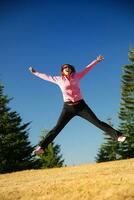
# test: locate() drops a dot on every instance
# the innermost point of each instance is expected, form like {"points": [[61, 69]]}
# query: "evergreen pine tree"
{"points": [[108, 150], [112, 150], [51, 156], [126, 114], [15, 149]]}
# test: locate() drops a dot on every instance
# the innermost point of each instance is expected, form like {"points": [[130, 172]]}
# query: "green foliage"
{"points": [[126, 114], [112, 150], [15, 149], [108, 150], [51, 156]]}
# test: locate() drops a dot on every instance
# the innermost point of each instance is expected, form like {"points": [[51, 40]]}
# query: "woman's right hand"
{"points": [[32, 70]]}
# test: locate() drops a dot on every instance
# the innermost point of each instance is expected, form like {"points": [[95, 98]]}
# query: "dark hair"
{"points": [[68, 65]]}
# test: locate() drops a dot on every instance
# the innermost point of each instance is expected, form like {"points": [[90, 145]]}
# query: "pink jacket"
{"points": [[70, 88]]}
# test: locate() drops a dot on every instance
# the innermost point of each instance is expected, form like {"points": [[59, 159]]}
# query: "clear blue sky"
{"points": [[45, 35]]}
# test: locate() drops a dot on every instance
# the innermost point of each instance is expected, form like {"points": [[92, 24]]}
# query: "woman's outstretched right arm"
{"points": [[53, 79]]}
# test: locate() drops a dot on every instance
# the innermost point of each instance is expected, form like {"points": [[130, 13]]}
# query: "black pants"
{"points": [[80, 109]]}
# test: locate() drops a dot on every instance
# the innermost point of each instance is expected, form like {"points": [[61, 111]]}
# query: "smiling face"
{"points": [[67, 70]]}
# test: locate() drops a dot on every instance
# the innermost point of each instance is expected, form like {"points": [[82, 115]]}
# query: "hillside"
{"points": [[104, 181]]}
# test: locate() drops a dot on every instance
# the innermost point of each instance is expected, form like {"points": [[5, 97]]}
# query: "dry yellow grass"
{"points": [[104, 181]]}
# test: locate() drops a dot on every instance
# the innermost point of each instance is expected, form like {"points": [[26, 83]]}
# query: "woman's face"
{"points": [[67, 70]]}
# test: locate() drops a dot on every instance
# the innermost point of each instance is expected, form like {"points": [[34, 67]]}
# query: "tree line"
{"points": [[111, 150], [16, 149]]}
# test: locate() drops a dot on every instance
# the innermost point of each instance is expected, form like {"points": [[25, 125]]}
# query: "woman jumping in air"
{"points": [[74, 105]]}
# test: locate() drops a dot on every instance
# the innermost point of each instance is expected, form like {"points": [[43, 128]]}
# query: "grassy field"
{"points": [[104, 181]]}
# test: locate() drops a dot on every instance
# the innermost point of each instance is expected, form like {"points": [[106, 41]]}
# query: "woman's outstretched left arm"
{"points": [[89, 67]]}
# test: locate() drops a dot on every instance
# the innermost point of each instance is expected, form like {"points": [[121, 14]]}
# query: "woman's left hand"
{"points": [[100, 58]]}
